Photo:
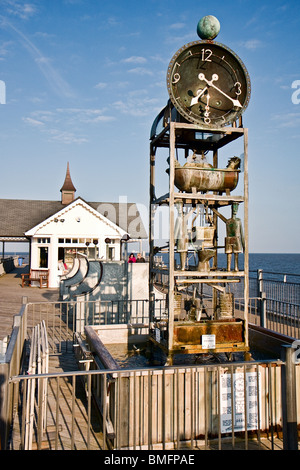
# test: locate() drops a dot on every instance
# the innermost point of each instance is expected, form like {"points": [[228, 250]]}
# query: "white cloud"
{"points": [[44, 116], [53, 77], [177, 26], [287, 120], [253, 44], [19, 8], [85, 115], [60, 124], [33, 122], [121, 85], [141, 71], [137, 104], [135, 60], [101, 85], [66, 137], [4, 47]]}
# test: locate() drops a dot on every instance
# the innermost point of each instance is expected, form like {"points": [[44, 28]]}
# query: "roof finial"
{"points": [[68, 189]]}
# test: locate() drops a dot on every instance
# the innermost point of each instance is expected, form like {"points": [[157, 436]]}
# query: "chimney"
{"points": [[68, 189]]}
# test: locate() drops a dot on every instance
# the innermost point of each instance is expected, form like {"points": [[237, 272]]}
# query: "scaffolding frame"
{"points": [[182, 135]]}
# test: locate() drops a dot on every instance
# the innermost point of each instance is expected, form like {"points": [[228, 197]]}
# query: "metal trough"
{"points": [[192, 176]]}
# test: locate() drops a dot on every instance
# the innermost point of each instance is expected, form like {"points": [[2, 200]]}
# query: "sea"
{"points": [[280, 266]]}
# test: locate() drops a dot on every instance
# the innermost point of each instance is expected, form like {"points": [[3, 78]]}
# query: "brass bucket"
{"points": [[226, 306]]}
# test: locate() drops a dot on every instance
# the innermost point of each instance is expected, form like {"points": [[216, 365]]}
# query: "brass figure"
{"points": [[234, 241]]}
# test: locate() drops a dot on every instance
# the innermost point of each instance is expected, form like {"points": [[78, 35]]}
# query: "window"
{"points": [[43, 257], [43, 240], [110, 253]]}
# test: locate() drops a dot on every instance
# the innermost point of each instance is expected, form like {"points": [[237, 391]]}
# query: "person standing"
{"points": [[140, 259], [131, 258]]}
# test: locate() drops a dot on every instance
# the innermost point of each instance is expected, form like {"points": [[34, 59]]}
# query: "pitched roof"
{"points": [[17, 216]]}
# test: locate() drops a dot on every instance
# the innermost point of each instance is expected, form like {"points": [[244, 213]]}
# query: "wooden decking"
{"points": [[67, 428], [11, 294], [72, 425]]}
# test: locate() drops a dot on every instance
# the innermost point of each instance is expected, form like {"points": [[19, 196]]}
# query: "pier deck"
{"points": [[73, 431], [11, 294]]}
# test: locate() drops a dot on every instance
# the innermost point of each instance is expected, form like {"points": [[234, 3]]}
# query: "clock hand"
{"points": [[206, 114], [195, 99], [215, 77], [207, 105]]}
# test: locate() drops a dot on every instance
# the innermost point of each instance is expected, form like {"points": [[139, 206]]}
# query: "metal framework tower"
{"points": [[200, 315]]}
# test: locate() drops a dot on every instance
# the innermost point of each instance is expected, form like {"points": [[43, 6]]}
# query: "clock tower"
{"points": [[205, 274]]}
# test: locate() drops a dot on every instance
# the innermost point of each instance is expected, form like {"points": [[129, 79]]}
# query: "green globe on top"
{"points": [[208, 27]]}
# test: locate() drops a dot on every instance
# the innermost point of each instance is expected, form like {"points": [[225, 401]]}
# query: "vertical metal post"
{"points": [[89, 408], [289, 402], [192, 407], [150, 408], [271, 405], [258, 405], [259, 282], [263, 310], [216, 240], [151, 233], [206, 407], [73, 412], [103, 381], [232, 392], [57, 414], [163, 408], [219, 407], [246, 230], [171, 235], [245, 407], [40, 414]]}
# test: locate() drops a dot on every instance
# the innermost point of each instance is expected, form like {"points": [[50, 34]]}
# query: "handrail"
{"points": [[236, 364]]}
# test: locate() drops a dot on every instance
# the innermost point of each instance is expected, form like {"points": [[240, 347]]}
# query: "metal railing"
{"points": [[278, 286], [224, 406], [184, 425]]}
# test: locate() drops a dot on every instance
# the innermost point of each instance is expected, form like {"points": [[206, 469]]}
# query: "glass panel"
{"points": [[43, 257]]}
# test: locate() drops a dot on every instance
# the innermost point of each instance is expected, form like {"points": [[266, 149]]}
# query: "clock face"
{"points": [[208, 84]]}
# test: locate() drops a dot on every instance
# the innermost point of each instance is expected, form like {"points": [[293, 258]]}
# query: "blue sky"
{"points": [[86, 78]]}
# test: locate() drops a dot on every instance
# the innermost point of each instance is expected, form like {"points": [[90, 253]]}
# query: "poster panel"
{"points": [[234, 397]]}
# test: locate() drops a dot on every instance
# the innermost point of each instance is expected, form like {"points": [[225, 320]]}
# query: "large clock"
{"points": [[208, 84]]}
